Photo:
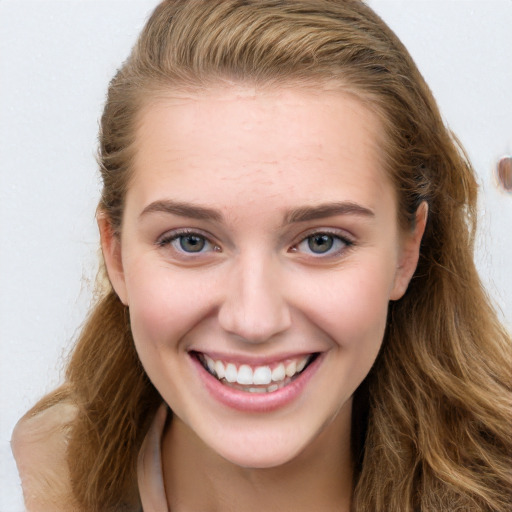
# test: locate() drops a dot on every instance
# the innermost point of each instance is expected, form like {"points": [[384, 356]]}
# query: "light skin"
{"points": [[259, 226]]}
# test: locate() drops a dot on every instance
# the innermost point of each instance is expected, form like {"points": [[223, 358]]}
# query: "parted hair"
{"points": [[431, 422]]}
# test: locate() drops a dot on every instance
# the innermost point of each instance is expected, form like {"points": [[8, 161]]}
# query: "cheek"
{"points": [[351, 305], [164, 304]]}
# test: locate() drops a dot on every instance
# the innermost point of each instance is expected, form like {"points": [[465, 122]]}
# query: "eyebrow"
{"points": [[322, 211], [302, 214], [182, 210]]}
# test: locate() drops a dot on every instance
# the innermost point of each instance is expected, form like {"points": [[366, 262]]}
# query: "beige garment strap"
{"points": [[149, 466]]}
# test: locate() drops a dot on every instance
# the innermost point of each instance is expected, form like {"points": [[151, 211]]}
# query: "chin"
{"points": [[262, 446], [262, 457]]}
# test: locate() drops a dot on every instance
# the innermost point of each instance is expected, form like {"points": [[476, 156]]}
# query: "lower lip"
{"points": [[246, 401]]}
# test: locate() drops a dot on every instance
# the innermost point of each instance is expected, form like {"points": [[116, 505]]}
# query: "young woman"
{"points": [[292, 318]]}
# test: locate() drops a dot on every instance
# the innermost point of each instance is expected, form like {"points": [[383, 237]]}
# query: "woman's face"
{"points": [[259, 250]]}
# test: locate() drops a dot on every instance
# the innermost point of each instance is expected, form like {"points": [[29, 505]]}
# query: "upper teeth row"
{"points": [[261, 375]]}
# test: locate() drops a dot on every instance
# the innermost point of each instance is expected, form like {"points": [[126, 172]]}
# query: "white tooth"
{"points": [[257, 390], [231, 373], [302, 364], [210, 363], [262, 375], [272, 388], [219, 369], [244, 376], [278, 373], [291, 369]]}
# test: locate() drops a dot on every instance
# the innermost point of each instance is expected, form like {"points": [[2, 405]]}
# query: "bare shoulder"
{"points": [[39, 444]]}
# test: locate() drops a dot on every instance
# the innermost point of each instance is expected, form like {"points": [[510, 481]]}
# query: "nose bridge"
{"points": [[254, 306]]}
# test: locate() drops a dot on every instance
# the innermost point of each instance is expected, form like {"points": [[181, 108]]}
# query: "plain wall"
{"points": [[56, 58]]}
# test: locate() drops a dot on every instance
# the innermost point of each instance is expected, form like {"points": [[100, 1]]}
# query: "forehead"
{"points": [[302, 144]]}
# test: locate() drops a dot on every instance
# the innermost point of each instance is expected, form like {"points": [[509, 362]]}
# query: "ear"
{"points": [[111, 248], [409, 253]]}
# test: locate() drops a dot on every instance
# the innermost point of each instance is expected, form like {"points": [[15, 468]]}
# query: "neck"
{"points": [[320, 478]]}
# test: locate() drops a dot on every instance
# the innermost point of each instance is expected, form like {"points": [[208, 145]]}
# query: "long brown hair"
{"points": [[432, 419]]}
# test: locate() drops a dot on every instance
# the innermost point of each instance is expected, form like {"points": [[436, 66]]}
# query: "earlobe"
{"points": [[409, 253], [111, 248]]}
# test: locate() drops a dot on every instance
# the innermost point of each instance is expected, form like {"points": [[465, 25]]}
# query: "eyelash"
{"points": [[336, 238], [176, 237]]}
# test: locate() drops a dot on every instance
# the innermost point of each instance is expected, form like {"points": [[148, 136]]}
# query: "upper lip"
{"points": [[251, 360]]}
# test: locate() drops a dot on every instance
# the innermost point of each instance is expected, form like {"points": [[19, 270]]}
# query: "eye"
{"points": [[322, 244], [191, 243], [187, 242]]}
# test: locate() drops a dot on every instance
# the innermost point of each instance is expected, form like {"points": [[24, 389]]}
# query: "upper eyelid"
{"points": [[175, 233], [172, 234], [337, 232]]}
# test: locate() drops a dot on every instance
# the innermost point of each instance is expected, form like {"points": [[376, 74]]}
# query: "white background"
{"points": [[56, 58]]}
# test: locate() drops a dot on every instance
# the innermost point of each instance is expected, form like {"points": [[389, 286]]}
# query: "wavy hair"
{"points": [[431, 427]]}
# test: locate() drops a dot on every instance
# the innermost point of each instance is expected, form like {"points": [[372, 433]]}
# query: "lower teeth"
{"points": [[252, 389]]}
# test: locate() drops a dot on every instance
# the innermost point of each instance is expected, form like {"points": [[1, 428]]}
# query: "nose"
{"points": [[254, 307]]}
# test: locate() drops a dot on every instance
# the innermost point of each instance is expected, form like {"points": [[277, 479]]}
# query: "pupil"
{"points": [[192, 243], [320, 243]]}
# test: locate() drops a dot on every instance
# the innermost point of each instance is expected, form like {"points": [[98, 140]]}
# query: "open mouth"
{"points": [[256, 379]]}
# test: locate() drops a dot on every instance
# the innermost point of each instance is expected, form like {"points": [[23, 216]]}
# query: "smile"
{"points": [[256, 379]]}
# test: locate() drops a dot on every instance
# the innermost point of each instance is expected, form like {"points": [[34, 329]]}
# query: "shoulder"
{"points": [[39, 444]]}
